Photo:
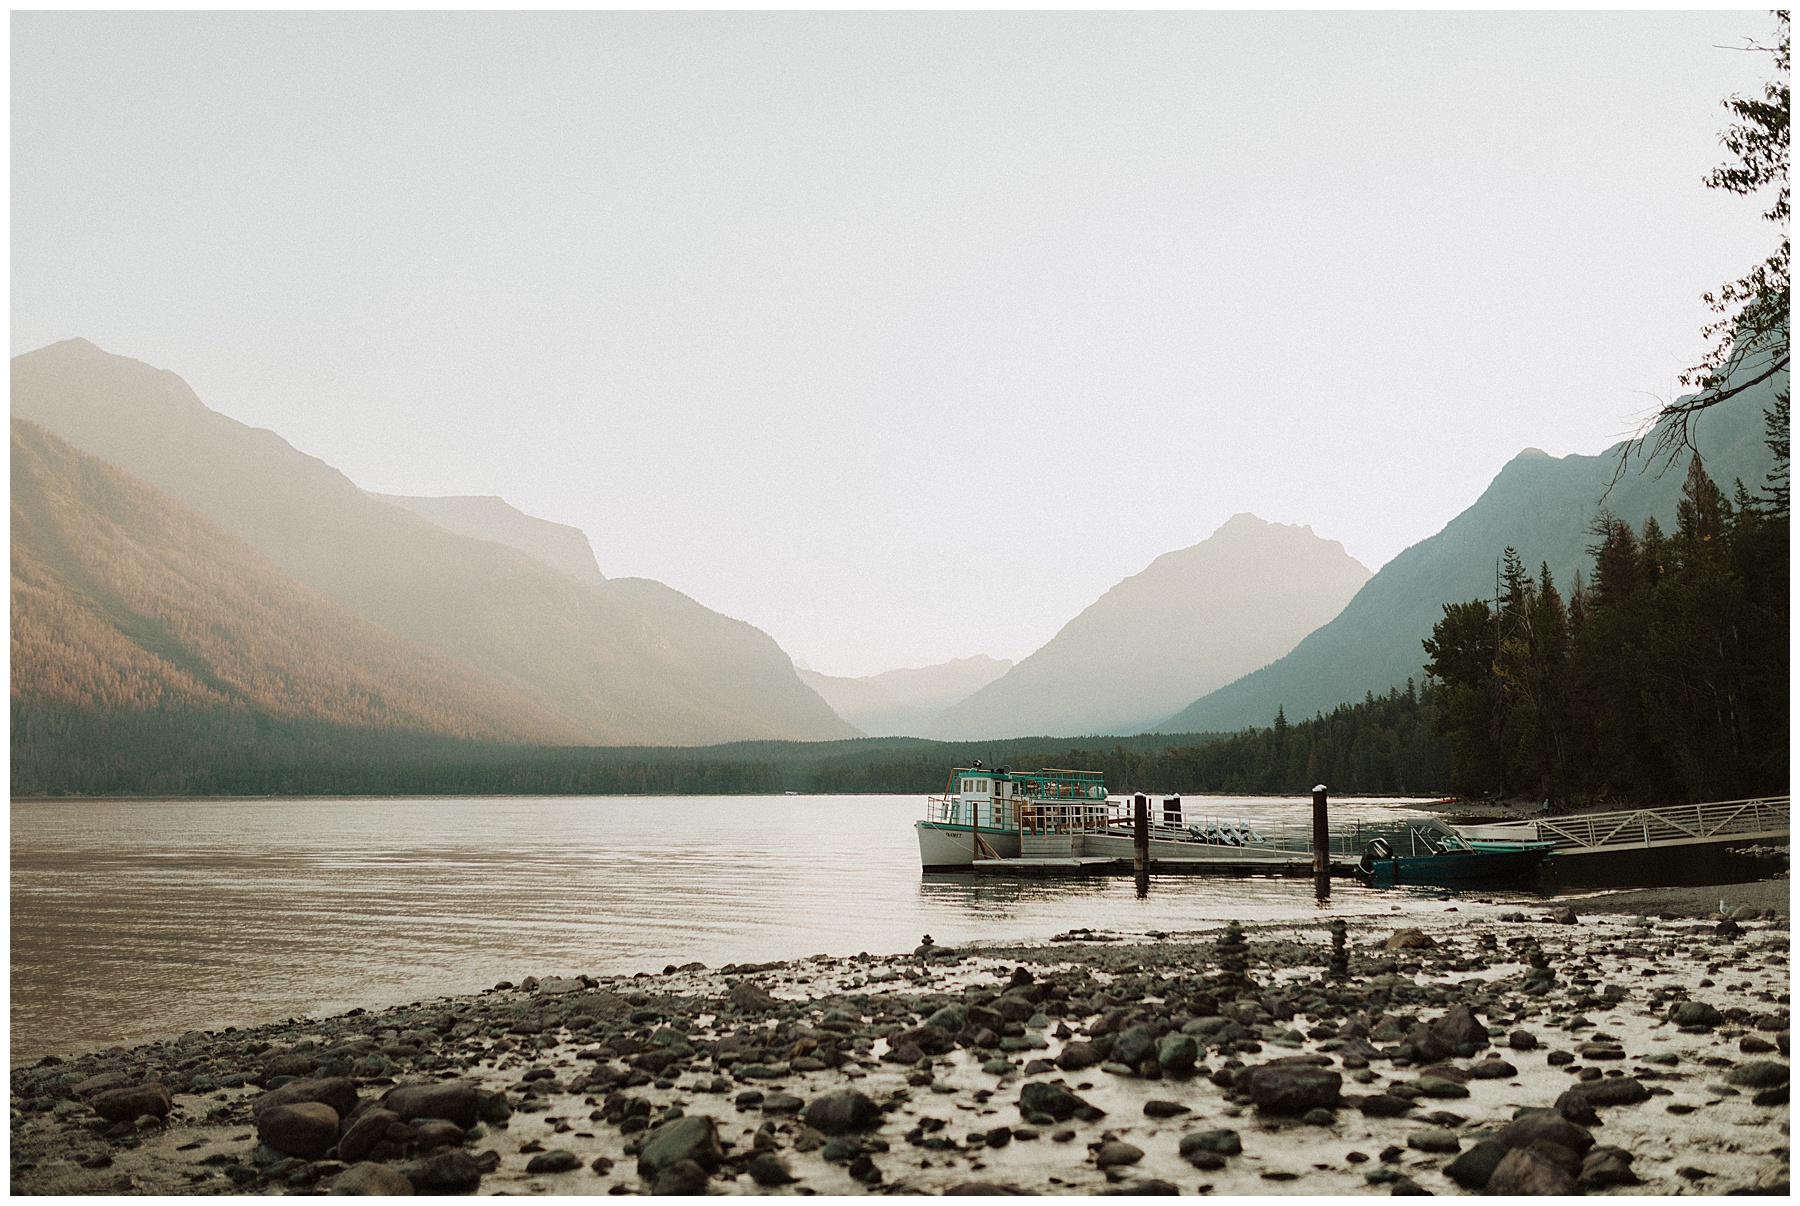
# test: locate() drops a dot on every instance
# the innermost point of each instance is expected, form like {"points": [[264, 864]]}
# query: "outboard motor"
{"points": [[1172, 811]]}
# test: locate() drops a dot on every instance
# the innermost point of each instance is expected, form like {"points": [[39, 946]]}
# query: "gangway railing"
{"points": [[1672, 825]]}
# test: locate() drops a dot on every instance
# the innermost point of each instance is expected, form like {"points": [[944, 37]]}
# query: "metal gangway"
{"points": [[1759, 818]]}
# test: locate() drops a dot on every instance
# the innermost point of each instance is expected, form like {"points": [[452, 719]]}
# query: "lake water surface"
{"points": [[140, 919]]}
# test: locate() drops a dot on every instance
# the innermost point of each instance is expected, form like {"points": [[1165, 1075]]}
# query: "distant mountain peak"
{"points": [[1193, 619]]}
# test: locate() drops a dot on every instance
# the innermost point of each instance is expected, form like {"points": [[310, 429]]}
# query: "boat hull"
{"points": [[947, 847], [1456, 870]]}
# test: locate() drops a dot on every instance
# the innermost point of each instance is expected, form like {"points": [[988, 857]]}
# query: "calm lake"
{"points": [[136, 920]]}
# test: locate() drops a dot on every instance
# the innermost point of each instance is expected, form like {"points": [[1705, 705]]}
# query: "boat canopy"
{"points": [[1045, 784]]}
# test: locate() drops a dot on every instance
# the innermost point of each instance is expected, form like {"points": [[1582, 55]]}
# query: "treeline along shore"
{"points": [[1383, 745]]}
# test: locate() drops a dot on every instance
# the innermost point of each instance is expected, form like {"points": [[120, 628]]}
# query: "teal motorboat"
{"points": [[1431, 853]]}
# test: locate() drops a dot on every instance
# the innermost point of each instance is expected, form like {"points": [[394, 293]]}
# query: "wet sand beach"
{"points": [[1638, 1045]]}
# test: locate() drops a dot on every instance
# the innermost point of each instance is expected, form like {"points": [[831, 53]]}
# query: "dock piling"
{"points": [[1321, 846], [1140, 841]]}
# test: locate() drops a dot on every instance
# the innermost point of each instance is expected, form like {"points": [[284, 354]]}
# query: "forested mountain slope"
{"points": [[123, 600], [1542, 506], [616, 665]]}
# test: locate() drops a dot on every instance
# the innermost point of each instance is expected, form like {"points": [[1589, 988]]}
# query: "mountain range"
{"points": [[1541, 506], [903, 703], [594, 660], [1192, 620]]}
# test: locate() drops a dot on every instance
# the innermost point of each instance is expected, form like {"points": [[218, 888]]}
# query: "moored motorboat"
{"points": [[1431, 853]]}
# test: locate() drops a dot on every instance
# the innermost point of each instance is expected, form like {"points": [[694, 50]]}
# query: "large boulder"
{"points": [[843, 1112], [100, 1084], [1134, 1046], [373, 1181], [307, 1129], [358, 1136], [1524, 1173], [1606, 1166], [1294, 1089], [338, 1092], [693, 1137], [752, 997], [1545, 1126], [130, 1104], [1472, 1169], [932, 1040], [1041, 1097], [1612, 1091], [1696, 1013], [455, 1101], [1409, 939], [1759, 1074], [452, 1171], [1077, 1055], [1460, 1026], [1177, 1052]]}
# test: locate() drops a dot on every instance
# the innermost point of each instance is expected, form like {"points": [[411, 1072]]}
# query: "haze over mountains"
{"points": [[1192, 620], [1538, 504], [611, 661], [487, 517], [124, 599], [903, 703]]}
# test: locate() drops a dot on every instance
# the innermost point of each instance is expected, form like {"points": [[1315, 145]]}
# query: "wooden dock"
{"points": [[1285, 868]]}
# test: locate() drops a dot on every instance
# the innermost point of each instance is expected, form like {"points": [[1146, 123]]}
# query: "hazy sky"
{"points": [[900, 335]]}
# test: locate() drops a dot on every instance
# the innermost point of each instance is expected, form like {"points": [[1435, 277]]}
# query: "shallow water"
{"points": [[134, 920]]}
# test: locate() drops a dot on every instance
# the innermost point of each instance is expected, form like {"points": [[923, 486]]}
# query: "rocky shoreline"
{"points": [[1550, 1051]]}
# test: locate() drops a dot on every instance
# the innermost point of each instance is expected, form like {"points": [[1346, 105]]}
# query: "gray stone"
{"points": [[694, 1137], [554, 1161], [1437, 1140], [1115, 1152], [1613, 1091], [1038, 1097], [1133, 1047], [360, 1135], [1472, 1169], [1177, 1052], [1759, 1074], [1606, 1166], [1522, 1040], [1383, 1105], [454, 1101], [1075, 1056], [768, 1170], [126, 1105], [99, 1084], [304, 1129], [1440, 1087], [1696, 1013], [1460, 1026], [1155, 1108], [932, 1040], [1524, 1173], [1545, 1126], [1219, 1142], [372, 1181], [842, 1112], [1291, 1089], [1492, 1069], [445, 1172], [335, 1091]]}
